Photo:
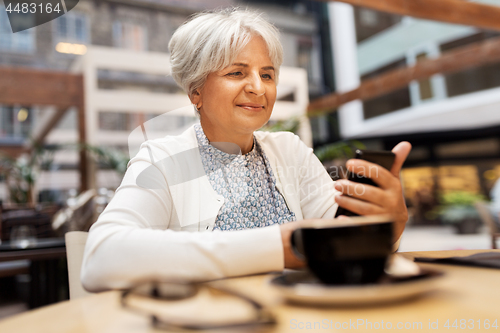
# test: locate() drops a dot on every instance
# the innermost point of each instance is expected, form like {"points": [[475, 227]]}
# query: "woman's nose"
{"points": [[255, 85]]}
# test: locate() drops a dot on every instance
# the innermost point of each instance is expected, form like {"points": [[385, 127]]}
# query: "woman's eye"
{"points": [[267, 76], [235, 74]]}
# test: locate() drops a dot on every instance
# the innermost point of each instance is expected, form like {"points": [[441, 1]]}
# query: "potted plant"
{"points": [[457, 209], [21, 173], [332, 155]]}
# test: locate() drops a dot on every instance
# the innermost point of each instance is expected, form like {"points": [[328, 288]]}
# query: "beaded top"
{"points": [[247, 183]]}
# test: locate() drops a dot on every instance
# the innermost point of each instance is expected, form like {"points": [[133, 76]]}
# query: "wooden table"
{"points": [[466, 293]]}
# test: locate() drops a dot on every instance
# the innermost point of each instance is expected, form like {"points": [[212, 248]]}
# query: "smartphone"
{"points": [[382, 158]]}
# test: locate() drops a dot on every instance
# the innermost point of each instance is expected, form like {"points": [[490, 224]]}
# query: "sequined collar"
{"points": [[203, 142]]}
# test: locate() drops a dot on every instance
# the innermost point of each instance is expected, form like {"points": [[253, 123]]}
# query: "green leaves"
{"points": [[461, 198], [341, 149]]}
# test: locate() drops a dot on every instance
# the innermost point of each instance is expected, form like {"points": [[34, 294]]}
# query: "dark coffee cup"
{"points": [[347, 252]]}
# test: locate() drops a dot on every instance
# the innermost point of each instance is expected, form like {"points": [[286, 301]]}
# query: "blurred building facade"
{"points": [[452, 120]]}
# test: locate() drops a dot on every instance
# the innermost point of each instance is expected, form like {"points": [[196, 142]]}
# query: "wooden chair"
{"points": [[75, 245], [484, 212], [39, 222]]}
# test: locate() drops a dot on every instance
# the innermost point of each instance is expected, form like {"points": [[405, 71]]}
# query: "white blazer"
{"points": [[159, 223]]}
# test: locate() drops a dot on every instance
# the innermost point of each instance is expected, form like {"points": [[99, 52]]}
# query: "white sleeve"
{"points": [[317, 191], [131, 242]]}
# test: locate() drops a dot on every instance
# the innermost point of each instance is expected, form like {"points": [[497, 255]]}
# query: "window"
{"points": [[125, 121], [370, 22], [309, 58], [425, 85], [19, 42], [15, 122], [368, 17], [304, 54], [7, 121], [433, 88], [472, 79], [71, 28], [130, 36], [387, 103], [117, 121]]}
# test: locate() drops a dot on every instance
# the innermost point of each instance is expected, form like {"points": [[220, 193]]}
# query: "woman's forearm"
{"points": [[117, 256]]}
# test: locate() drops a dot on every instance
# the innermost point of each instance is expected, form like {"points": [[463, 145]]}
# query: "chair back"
{"points": [[484, 212], [75, 245], [39, 222]]}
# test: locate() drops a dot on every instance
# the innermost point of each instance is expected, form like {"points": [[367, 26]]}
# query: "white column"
{"points": [[345, 61]]}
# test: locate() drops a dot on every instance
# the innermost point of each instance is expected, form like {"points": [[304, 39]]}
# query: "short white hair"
{"points": [[210, 41]]}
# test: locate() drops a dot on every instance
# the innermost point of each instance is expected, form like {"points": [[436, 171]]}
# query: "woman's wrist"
{"points": [[290, 259]]}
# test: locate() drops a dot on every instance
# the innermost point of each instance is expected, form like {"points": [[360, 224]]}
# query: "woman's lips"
{"points": [[251, 106]]}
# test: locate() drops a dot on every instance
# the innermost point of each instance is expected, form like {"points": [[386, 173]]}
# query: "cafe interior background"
{"points": [[80, 84]]}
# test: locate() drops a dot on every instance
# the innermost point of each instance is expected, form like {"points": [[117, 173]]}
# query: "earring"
{"points": [[196, 108]]}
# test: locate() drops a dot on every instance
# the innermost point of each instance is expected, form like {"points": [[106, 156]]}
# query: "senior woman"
{"points": [[229, 196]]}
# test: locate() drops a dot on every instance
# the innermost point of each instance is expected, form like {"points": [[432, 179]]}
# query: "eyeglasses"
{"points": [[195, 306]]}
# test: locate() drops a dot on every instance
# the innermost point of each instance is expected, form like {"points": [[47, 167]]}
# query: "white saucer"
{"points": [[303, 287]]}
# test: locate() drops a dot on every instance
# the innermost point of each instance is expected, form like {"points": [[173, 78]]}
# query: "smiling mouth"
{"points": [[251, 106]]}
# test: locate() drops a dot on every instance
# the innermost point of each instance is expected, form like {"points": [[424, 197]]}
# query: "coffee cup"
{"points": [[353, 251]]}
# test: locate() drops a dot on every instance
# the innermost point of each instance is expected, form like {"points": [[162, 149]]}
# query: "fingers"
{"points": [[359, 207], [361, 191], [401, 150], [388, 198], [380, 175]]}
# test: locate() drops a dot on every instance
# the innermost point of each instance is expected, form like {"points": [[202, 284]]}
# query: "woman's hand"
{"points": [[369, 200], [291, 261]]}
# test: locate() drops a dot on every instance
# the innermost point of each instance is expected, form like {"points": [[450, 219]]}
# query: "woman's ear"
{"points": [[196, 98]]}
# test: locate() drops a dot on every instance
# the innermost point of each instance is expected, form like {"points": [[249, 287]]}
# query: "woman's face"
{"points": [[239, 99]]}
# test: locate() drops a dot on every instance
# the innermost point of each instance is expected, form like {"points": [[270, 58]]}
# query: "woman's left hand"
{"points": [[369, 200]]}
